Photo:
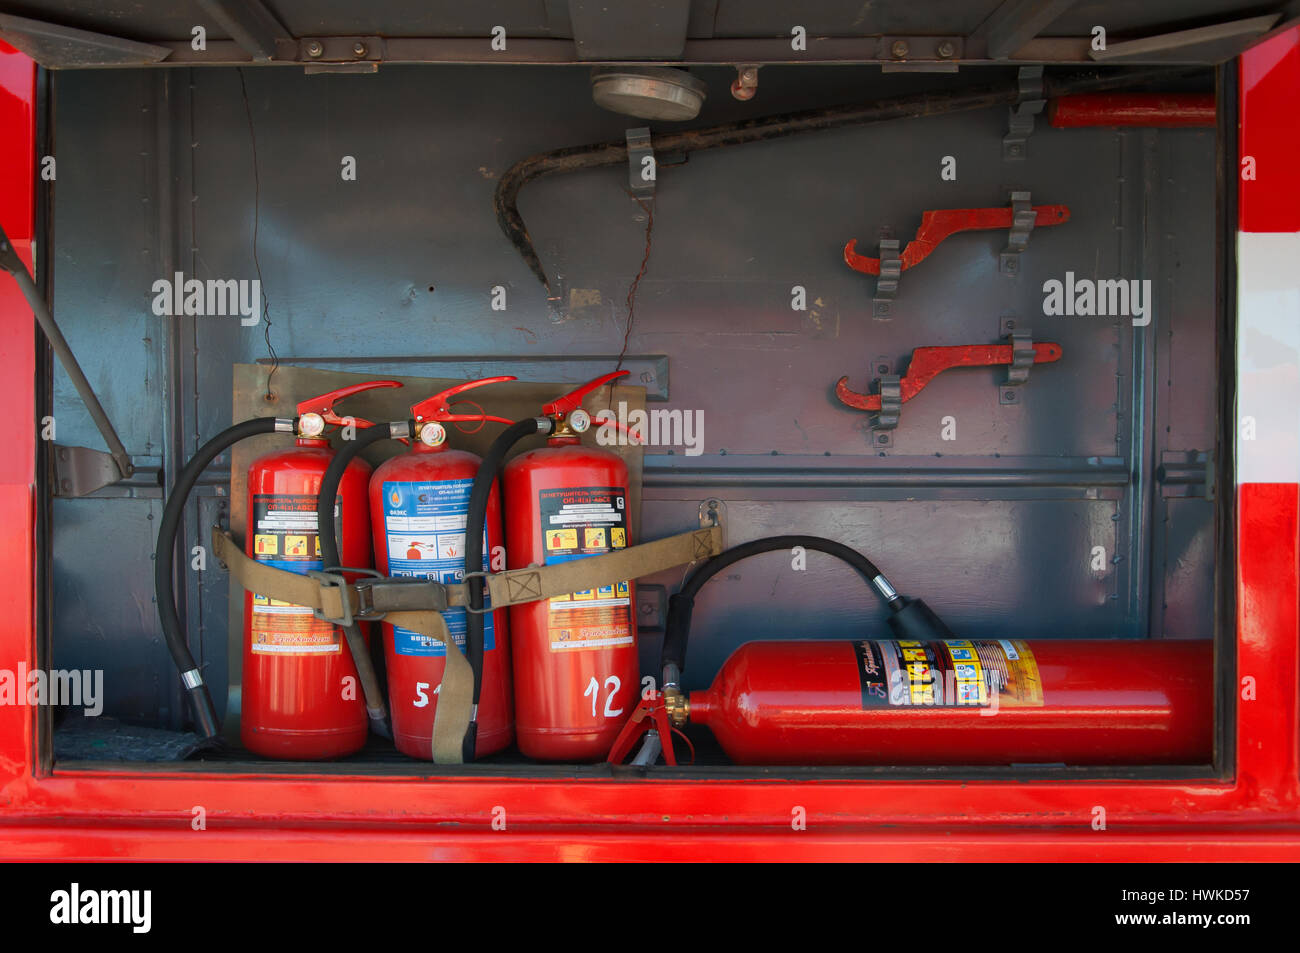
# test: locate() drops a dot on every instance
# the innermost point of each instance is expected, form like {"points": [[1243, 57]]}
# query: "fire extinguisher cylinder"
{"points": [[299, 684], [577, 671], [418, 501], [1048, 701]]}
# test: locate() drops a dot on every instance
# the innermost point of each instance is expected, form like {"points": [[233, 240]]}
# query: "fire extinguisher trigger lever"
{"points": [[322, 406], [438, 407], [571, 401]]}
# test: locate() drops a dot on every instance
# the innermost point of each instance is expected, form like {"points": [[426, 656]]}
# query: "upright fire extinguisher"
{"points": [[300, 695], [577, 674], [418, 506]]}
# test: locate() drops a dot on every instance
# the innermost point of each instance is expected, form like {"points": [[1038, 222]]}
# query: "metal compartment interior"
{"points": [[1113, 446]]}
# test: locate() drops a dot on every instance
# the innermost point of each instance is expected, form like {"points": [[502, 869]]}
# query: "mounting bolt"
{"points": [[745, 85], [314, 48], [1010, 396], [359, 48], [899, 49], [945, 49]]}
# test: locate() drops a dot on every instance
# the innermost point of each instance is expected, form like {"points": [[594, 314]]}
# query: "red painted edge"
{"points": [[1270, 135], [134, 815]]}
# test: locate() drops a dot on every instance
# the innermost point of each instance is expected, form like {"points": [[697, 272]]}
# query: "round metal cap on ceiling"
{"points": [[648, 92]]}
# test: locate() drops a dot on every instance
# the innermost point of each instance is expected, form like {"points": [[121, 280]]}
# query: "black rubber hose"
{"points": [[376, 709], [475, 524], [678, 627], [164, 582]]}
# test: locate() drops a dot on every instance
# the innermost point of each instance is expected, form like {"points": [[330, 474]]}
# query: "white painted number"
{"points": [[421, 697], [593, 689]]}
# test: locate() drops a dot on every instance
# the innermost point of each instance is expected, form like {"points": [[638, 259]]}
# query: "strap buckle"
{"points": [[487, 606], [332, 577], [400, 594]]}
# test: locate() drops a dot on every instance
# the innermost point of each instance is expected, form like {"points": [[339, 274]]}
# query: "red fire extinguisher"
{"points": [[300, 695], [576, 666], [997, 701], [418, 505]]}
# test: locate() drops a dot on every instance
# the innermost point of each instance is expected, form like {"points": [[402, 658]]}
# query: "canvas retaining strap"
{"points": [[417, 604]]}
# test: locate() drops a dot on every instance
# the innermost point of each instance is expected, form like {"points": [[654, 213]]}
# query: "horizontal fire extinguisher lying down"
{"points": [[927, 697], [924, 697]]}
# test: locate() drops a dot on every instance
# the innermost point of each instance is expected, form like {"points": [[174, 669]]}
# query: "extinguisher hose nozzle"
{"points": [[205, 716], [379, 722]]}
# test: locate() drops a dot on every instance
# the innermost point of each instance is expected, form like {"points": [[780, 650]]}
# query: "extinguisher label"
{"points": [[578, 522], [954, 673], [284, 536], [424, 523]]}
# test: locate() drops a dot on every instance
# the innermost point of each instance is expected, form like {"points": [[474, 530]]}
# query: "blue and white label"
{"points": [[424, 524]]}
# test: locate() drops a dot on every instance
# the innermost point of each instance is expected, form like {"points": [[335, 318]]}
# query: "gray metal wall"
{"points": [[995, 529]]}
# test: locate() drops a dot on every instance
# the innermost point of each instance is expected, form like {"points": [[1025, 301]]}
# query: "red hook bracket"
{"points": [[927, 363], [936, 225], [324, 404]]}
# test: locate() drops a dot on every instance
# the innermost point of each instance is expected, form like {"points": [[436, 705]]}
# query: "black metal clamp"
{"points": [[1020, 125], [639, 148], [1022, 359], [891, 267], [1023, 218]]}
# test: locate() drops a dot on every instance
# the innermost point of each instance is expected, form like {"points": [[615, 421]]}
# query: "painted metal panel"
{"points": [[346, 267], [1253, 815]]}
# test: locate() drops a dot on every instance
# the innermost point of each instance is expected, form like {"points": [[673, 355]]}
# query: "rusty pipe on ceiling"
{"points": [[605, 154]]}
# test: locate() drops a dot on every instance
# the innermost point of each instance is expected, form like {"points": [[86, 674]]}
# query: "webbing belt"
{"points": [[418, 604]]}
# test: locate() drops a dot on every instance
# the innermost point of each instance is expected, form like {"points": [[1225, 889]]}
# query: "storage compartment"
{"points": [[1075, 498]]}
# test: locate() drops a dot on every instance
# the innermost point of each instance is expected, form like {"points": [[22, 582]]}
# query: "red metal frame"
{"points": [[132, 814]]}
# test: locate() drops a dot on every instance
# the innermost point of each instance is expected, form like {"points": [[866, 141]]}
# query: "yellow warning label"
{"points": [[955, 673], [283, 532], [562, 538], [579, 522]]}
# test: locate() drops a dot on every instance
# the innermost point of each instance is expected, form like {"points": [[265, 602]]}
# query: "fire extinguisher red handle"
{"points": [[438, 407], [573, 399], [324, 404]]}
